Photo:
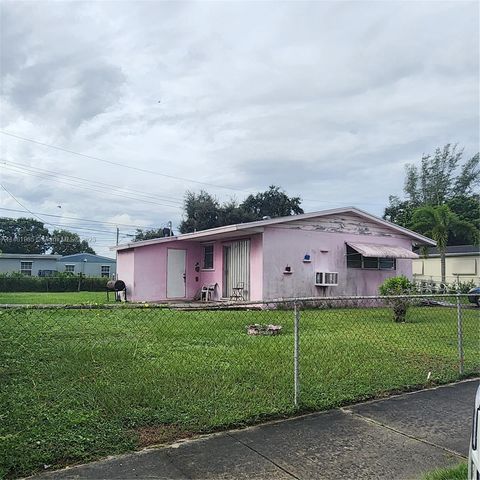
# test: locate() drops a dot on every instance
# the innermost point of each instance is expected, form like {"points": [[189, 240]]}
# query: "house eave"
{"points": [[260, 224], [31, 256], [455, 254], [230, 232]]}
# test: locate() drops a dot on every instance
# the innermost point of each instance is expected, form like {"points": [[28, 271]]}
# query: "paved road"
{"points": [[396, 438]]}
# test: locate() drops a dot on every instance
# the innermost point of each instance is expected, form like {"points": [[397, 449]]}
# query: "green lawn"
{"points": [[80, 384], [459, 472], [61, 298]]}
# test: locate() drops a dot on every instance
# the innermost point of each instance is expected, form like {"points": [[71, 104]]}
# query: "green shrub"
{"points": [[464, 287], [61, 282], [400, 285], [426, 286]]}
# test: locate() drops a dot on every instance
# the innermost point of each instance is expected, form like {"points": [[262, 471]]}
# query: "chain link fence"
{"points": [[84, 381], [353, 348]]}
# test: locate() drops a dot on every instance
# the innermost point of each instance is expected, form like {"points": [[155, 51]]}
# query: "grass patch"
{"points": [[459, 472], [60, 298], [81, 384]]}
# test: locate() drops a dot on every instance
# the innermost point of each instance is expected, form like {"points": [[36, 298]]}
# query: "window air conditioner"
{"points": [[326, 279]]}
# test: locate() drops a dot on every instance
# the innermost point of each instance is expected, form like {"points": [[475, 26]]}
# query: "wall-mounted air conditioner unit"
{"points": [[326, 279]]}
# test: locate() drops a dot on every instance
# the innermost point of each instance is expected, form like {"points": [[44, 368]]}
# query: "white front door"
{"points": [[176, 273]]}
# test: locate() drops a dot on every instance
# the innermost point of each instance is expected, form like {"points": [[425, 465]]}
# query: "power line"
{"points": [[25, 171], [85, 219], [86, 187], [80, 186], [153, 172], [86, 180], [24, 207], [118, 164], [49, 223], [74, 227]]}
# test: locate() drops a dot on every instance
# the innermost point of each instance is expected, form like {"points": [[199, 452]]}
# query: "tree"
{"points": [[469, 177], [440, 179], [23, 235], [435, 183], [399, 211], [271, 203], [201, 211], [64, 242], [467, 207], [438, 222], [231, 213], [152, 233]]}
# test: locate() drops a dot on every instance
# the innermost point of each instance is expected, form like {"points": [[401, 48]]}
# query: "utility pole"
{"points": [[118, 234]]}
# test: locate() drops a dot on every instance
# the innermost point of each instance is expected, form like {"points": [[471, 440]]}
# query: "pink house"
{"points": [[344, 251]]}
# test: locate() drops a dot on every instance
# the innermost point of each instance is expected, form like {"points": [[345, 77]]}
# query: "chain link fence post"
{"points": [[296, 351], [460, 335]]}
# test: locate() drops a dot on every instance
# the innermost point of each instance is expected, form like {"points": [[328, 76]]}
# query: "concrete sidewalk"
{"points": [[397, 438]]}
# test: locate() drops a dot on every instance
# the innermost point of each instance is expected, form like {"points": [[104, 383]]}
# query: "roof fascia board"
{"points": [[273, 221], [30, 255], [455, 254]]}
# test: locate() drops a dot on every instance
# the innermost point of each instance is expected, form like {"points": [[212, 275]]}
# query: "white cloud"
{"points": [[328, 99]]}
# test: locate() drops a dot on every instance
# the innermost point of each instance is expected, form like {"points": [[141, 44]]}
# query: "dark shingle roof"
{"points": [[456, 250]]}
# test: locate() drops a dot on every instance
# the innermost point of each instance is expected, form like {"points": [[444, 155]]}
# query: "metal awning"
{"points": [[382, 251]]}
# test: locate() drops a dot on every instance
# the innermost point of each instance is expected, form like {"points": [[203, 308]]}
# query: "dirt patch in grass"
{"points": [[159, 434]]}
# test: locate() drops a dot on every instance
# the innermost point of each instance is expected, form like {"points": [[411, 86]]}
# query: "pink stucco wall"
{"points": [[283, 246], [151, 270], [144, 269], [211, 277], [256, 267], [125, 268], [150, 273]]}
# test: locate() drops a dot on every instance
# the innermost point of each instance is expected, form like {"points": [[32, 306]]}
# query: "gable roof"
{"points": [[30, 256], [90, 257], [257, 227]]}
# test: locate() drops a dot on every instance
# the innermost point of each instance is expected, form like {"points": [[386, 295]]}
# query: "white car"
{"points": [[474, 451]]}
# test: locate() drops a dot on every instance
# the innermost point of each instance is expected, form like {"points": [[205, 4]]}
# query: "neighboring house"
{"points": [[343, 251], [87, 264], [42, 265], [462, 264], [29, 264]]}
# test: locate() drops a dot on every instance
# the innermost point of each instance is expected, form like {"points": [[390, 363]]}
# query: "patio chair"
{"points": [[238, 292], [207, 292]]}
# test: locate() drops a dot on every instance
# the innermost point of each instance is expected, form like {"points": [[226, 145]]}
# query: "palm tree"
{"points": [[437, 222]]}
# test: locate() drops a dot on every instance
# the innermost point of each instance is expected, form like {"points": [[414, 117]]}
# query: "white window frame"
{"points": [[204, 247], [24, 270], [102, 273], [69, 265]]}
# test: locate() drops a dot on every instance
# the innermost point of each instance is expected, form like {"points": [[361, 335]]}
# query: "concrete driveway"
{"points": [[400, 437]]}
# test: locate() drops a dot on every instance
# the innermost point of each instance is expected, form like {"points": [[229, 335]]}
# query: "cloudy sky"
{"points": [[328, 99]]}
